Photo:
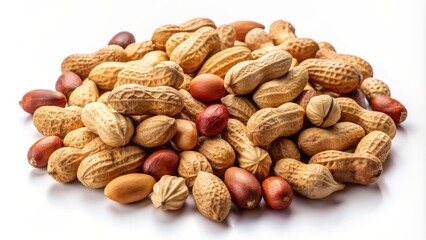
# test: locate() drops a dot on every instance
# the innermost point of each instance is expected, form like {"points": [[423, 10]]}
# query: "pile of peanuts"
{"points": [[231, 113]]}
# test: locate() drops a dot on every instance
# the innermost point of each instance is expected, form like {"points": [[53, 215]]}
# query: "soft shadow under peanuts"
{"points": [[128, 208], [170, 216], [37, 173]]}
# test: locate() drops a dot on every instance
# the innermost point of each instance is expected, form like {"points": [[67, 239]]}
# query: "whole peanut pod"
{"points": [[376, 143], [57, 121]]}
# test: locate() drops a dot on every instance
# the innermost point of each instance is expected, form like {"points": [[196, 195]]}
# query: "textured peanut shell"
{"points": [[369, 120], [376, 143], [244, 77], [175, 40], [253, 159], [187, 79], [218, 152], [84, 94], [211, 196], [135, 51], [341, 136], [372, 87], [113, 128], [98, 169], [310, 180], [57, 121], [190, 164], [164, 74], [300, 48], [82, 64], [169, 193], [79, 137], [281, 31], [104, 98], [326, 45], [283, 148], [227, 36], [257, 38], [360, 168], [155, 131], [130, 188], [281, 90], [150, 59], [135, 99], [191, 53], [105, 74], [323, 111], [239, 107], [163, 33], [220, 63], [363, 66], [268, 124], [333, 75], [242, 27], [63, 163], [191, 106]]}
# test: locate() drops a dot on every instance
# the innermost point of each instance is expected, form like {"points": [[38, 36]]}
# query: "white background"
{"points": [[37, 35]]}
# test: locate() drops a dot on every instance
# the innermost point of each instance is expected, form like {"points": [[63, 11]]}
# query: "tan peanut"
{"points": [[334, 75], [136, 51], [190, 164], [187, 79], [150, 59], [326, 45], [268, 124], [104, 98], [220, 63], [281, 90], [63, 163], [369, 120], [84, 94], [310, 180], [341, 136], [163, 33], [57, 121], [105, 74], [155, 131], [191, 53], [97, 170], [136, 99], [361, 168], [257, 38], [281, 31], [82, 64], [113, 128], [244, 77], [169, 193], [283, 148], [211, 197], [253, 159], [239, 107], [376, 143], [191, 106], [79, 137], [372, 87], [164, 74], [175, 40], [363, 66], [218, 152], [227, 36]]}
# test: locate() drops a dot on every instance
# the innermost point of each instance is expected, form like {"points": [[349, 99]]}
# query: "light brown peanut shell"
{"points": [[341, 136], [191, 106], [136, 51], [310, 180], [281, 90], [57, 121], [372, 87], [79, 137], [190, 164], [84, 94], [155, 131], [361, 168], [211, 196], [376, 143], [239, 107], [135, 99], [150, 59], [187, 79], [281, 31], [105, 74], [283, 148], [175, 40], [169, 193], [218, 152], [323, 111], [268, 124], [98, 169], [227, 36]]}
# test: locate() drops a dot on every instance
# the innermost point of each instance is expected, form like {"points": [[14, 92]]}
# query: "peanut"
{"points": [[97, 170], [150, 59], [42, 97], [361, 168], [376, 143], [191, 53], [186, 136], [369, 120], [39, 153], [281, 31], [249, 157], [82, 64], [281, 90], [155, 131], [79, 137], [67, 82], [187, 79], [84, 94], [326, 45], [136, 99], [129, 188], [258, 38], [112, 127], [245, 76], [218, 152], [341, 136], [283, 148], [57, 121], [136, 51], [122, 39], [175, 40], [170, 193], [239, 107], [191, 106], [310, 180], [268, 124], [191, 163], [372, 87], [163, 33], [105, 74], [227, 36]]}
